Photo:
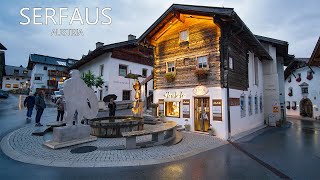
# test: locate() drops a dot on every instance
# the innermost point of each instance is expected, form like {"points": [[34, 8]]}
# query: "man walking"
{"points": [[29, 103], [112, 108], [40, 106]]}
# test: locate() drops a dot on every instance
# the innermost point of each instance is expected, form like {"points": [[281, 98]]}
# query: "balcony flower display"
{"points": [[294, 107], [170, 77], [310, 76], [288, 107], [290, 94], [289, 81], [298, 79], [201, 73]]}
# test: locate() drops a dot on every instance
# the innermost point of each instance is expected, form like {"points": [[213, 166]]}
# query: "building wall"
{"points": [[38, 70], [313, 89], [13, 80], [115, 83]]}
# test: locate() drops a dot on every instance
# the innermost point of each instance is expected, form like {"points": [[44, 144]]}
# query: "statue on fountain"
{"points": [[137, 108]]}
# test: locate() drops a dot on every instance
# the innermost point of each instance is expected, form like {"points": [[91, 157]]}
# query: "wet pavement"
{"points": [[293, 150]]}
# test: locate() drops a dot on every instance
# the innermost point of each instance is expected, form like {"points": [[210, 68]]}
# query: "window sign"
{"points": [[217, 109], [243, 105], [186, 108], [256, 104], [250, 104]]}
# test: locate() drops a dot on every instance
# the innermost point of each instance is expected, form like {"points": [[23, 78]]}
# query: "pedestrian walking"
{"points": [[60, 107], [112, 108], [40, 106], [29, 103]]}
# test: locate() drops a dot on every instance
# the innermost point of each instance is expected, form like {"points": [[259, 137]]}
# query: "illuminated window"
{"points": [[25, 72], [8, 85], [203, 62], [123, 70], [172, 109], [15, 85], [171, 66], [184, 36]]}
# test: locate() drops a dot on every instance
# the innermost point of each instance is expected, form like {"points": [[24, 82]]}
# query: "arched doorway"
{"points": [[306, 108]]}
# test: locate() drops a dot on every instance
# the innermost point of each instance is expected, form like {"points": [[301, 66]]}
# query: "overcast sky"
{"points": [[294, 21]]}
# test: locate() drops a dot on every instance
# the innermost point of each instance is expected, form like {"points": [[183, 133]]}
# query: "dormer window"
{"points": [[184, 36]]}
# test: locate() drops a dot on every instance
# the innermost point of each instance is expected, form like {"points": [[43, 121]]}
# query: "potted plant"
{"points": [[290, 94], [310, 76], [201, 73], [170, 76], [187, 126], [298, 79], [212, 131]]}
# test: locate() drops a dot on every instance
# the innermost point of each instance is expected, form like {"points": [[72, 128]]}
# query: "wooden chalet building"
{"points": [[204, 56]]}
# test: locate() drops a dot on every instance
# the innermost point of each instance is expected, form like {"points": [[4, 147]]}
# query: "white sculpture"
{"points": [[81, 101]]}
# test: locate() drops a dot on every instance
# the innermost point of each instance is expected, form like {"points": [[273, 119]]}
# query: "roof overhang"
{"points": [[315, 56], [227, 15], [2, 47]]}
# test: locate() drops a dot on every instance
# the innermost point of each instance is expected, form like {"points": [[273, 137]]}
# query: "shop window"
{"points": [[126, 95], [123, 70], [202, 62], [171, 66], [101, 70], [261, 104], [8, 85], [243, 105], [15, 85], [256, 104], [144, 72], [250, 104], [184, 36], [172, 109]]}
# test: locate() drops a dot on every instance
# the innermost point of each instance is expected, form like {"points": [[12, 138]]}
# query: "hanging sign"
{"points": [[200, 90], [217, 109], [174, 95], [186, 108]]}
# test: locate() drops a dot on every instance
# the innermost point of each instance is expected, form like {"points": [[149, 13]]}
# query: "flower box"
{"points": [[298, 79], [201, 73], [288, 107], [289, 81], [310, 76], [289, 94], [170, 77], [294, 107]]}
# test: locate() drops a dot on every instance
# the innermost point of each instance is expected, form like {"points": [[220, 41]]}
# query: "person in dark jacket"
{"points": [[112, 108], [60, 107], [29, 103], [40, 106]]}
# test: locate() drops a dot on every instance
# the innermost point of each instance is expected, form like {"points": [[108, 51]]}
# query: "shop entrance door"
{"points": [[201, 114]]}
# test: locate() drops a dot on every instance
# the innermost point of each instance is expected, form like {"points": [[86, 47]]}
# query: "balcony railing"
{"points": [[58, 73], [52, 83]]}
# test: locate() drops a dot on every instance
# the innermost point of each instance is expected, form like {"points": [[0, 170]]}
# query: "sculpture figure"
{"points": [[137, 106], [81, 101]]}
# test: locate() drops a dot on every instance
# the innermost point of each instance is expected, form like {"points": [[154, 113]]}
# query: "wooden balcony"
{"points": [[58, 73], [52, 83]]}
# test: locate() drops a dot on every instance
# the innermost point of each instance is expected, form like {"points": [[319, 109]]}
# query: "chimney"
{"points": [[99, 44], [131, 37]]}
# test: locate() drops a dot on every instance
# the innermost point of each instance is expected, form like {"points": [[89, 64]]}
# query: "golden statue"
{"points": [[137, 103]]}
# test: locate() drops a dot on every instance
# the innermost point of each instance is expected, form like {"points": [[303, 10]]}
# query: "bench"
{"points": [[161, 133]]}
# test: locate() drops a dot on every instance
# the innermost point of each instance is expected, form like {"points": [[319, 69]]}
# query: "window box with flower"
{"points": [[201, 73], [294, 107], [309, 76], [298, 79], [170, 76], [290, 94]]}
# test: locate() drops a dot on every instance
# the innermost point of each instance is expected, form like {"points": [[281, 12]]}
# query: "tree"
{"points": [[91, 80]]}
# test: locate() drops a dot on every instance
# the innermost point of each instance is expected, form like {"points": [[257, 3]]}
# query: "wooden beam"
{"points": [[165, 28]]}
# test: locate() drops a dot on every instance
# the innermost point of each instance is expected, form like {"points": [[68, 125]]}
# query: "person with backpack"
{"points": [[60, 107], [29, 102]]}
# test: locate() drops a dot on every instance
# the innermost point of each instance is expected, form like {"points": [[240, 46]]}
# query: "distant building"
{"points": [[16, 78], [113, 62], [47, 72], [2, 62], [302, 85]]}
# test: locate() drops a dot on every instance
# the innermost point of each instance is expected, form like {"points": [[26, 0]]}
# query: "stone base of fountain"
{"points": [[110, 127]]}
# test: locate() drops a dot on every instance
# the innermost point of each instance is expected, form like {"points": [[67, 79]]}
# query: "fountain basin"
{"points": [[110, 127]]}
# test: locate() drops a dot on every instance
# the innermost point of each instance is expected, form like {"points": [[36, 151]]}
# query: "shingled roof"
{"points": [[227, 14], [22, 71], [315, 56], [49, 60]]}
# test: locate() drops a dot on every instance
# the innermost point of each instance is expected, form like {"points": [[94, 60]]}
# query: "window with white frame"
{"points": [[202, 62], [184, 36], [171, 66], [123, 70]]}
